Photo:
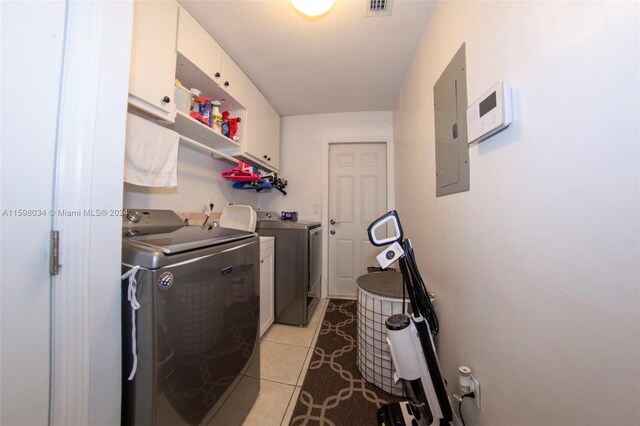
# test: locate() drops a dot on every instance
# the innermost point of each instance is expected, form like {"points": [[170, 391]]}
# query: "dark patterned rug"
{"points": [[334, 392]]}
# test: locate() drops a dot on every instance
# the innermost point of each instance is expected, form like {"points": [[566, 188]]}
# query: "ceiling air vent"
{"points": [[378, 7]]}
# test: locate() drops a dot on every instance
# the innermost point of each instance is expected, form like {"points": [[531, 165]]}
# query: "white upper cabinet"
{"points": [[153, 58], [262, 136], [233, 80], [169, 43], [274, 132], [195, 44], [198, 47]]}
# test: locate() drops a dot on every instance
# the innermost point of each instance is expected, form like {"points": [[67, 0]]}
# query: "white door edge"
{"points": [[69, 321], [326, 143]]}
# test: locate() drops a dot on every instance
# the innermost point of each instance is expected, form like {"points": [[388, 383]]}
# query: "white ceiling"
{"points": [[342, 61]]}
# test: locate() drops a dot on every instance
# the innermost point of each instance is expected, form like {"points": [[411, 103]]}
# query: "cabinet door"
{"points": [[233, 80], [266, 290], [262, 137], [153, 58], [197, 45], [273, 141], [254, 141]]}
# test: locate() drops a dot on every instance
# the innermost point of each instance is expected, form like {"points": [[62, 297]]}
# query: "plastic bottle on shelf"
{"points": [[216, 117], [225, 123], [205, 110], [233, 128], [230, 126], [195, 95]]}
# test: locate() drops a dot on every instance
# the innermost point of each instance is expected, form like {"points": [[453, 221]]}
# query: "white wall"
{"points": [[535, 269], [301, 139], [301, 142], [199, 180]]}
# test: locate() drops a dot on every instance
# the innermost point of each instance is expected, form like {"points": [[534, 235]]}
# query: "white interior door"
{"points": [[357, 196], [33, 59]]}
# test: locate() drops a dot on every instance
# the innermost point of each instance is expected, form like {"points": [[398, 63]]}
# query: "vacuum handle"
{"points": [[381, 221]]}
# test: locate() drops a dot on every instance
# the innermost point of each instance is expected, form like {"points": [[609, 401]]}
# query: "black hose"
{"points": [[423, 304], [460, 412], [408, 284], [467, 395]]}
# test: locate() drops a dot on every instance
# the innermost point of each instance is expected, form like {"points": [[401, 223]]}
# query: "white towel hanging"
{"points": [[151, 154]]}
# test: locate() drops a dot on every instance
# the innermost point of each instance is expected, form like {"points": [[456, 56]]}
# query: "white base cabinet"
{"points": [[267, 314]]}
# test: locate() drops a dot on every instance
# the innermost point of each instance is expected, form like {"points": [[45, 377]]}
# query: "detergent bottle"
{"points": [[233, 128], [216, 117], [204, 109], [225, 123]]}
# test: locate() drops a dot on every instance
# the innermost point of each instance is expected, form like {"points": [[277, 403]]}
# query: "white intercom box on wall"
{"points": [[490, 114]]}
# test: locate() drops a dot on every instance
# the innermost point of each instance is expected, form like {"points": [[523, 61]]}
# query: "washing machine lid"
{"points": [[185, 239]]}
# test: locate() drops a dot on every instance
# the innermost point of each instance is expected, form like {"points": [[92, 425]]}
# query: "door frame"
{"points": [[326, 144], [85, 302]]}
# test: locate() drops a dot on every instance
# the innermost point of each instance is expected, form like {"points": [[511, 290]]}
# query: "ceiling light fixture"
{"points": [[312, 7]]}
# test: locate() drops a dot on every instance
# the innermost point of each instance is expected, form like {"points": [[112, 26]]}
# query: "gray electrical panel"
{"points": [[450, 109]]}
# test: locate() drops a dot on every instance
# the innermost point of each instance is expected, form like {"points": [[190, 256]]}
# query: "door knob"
{"points": [[333, 222], [332, 232], [217, 75], [166, 99], [226, 84]]}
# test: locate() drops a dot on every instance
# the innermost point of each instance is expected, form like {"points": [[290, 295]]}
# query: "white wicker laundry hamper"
{"points": [[379, 297]]}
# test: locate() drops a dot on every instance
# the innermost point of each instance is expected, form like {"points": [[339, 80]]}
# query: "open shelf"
{"points": [[199, 132], [193, 77]]}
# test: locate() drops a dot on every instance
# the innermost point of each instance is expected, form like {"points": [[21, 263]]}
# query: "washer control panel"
{"points": [[150, 218]]}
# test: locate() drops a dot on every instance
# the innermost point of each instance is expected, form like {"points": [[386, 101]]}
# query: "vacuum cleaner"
{"points": [[410, 338]]}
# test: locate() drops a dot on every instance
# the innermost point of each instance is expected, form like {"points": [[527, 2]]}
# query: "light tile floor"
{"points": [[285, 353]]}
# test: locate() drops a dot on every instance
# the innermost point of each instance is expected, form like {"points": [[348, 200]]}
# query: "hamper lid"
{"points": [[383, 283]]}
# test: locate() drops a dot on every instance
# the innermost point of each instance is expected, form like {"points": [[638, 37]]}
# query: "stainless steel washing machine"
{"points": [[190, 318]]}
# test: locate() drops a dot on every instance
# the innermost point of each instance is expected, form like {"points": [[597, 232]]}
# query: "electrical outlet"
{"points": [[476, 392], [316, 209], [206, 209]]}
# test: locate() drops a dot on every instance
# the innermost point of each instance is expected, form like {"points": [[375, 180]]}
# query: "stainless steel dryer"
{"points": [[298, 266], [190, 318]]}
